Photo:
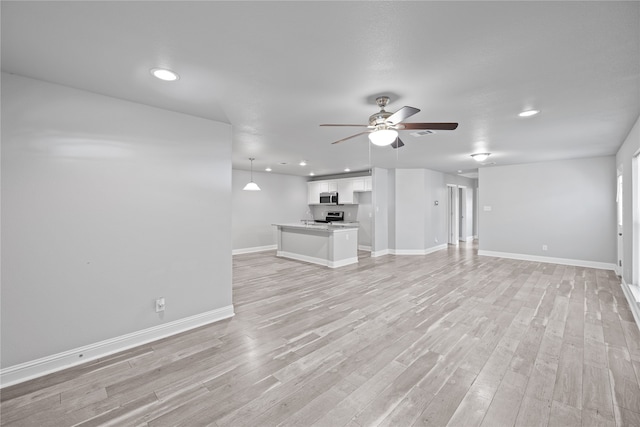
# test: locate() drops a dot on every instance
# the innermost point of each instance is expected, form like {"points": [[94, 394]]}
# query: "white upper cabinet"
{"points": [[314, 188], [368, 186], [345, 188]]}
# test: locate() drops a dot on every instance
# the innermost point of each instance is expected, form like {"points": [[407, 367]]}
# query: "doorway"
{"points": [[619, 220], [453, 215], [463, 203], [635, 215]]}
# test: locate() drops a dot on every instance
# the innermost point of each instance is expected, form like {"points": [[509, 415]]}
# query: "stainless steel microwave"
{"points": [[330, 198]]}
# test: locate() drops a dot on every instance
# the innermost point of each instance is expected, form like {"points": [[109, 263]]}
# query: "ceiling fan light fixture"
{"points": [[383, 137], [480, 157]]}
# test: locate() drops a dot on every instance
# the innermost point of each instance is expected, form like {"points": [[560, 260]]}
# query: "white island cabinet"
{"points": [[329, 245]]}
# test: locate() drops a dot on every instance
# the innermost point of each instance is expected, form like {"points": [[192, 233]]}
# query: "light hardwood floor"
{"points": [[449, 338]]}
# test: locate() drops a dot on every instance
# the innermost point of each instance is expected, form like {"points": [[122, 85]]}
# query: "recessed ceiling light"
{"points": [[268, 169], [303, 163], [164, 74], [347, 170], [311, 174], [529, 113]]}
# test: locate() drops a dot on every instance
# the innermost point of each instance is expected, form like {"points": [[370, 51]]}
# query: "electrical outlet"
{"points": [[544, 247], [160, 305], [436, 240]]}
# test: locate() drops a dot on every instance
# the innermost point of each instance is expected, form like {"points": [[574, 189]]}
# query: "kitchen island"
{"points": [[331, 245]]}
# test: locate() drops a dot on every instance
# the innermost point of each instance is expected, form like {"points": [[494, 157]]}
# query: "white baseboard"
{"points": [[57, 362], [632, 293], [254, 249], [319, 261], [550, 260], [364, 248], [342, 263], [618, 270], [418, 251], [299, 257], [382, 252], [408, 251]]}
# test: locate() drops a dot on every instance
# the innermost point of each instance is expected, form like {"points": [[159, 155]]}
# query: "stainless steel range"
{"points": [[334, 216]]}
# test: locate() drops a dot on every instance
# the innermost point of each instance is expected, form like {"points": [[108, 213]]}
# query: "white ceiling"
{"points": [[276, 70]]}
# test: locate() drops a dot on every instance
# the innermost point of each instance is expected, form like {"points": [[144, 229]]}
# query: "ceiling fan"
{"points": [[383, 126]]}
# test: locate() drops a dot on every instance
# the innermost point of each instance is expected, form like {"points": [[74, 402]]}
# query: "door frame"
{"points": [[463, 231], [619, 219], [635, 218], [453, 215]]}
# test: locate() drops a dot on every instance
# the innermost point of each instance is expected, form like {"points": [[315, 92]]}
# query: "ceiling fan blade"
{"points": [[397, 143], [352, 136], [330, 124], [430, 126], [402, 114]]}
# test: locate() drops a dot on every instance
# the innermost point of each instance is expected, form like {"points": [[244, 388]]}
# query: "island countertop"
{"points": [[334, 227]]}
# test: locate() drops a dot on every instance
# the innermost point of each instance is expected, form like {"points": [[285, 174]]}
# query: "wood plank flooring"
{"points": [[449, 338]]}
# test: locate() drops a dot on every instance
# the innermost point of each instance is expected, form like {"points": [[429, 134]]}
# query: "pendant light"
{"points": [[251, 186]]}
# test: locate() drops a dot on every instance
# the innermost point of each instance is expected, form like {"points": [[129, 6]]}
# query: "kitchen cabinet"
{"points": [[345, 188], [362, 184], [368, 183], [314, 188], [319, 244], [357, 184]]}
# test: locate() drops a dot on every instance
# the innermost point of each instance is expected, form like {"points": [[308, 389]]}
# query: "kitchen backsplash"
{"points": [[320, 212]]}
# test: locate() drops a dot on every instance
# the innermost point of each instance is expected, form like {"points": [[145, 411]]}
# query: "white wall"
{"points": [[282, 199], [106, 205], [629, 148], [414, 223], [365, 217], [435, 216], [410, 195], [380, 201], [567, 205]]}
